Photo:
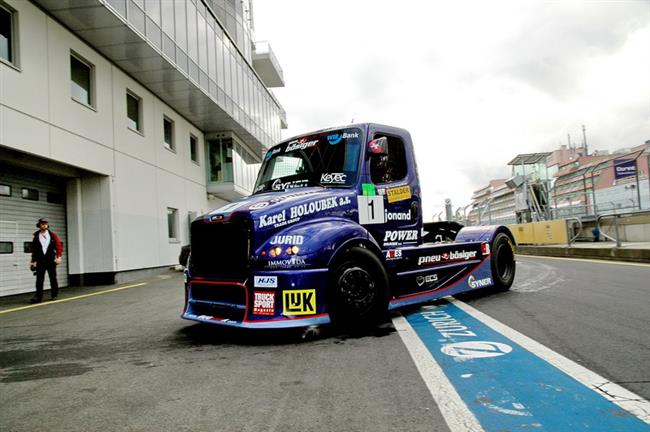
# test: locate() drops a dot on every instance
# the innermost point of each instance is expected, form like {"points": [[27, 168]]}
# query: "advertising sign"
{"points": [[624, 168]]}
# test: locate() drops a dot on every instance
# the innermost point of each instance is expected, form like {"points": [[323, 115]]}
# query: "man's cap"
{"points": [[41, 221]]}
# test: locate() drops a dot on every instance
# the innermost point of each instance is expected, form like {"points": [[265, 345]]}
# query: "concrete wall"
{"points": [[117, 205]]}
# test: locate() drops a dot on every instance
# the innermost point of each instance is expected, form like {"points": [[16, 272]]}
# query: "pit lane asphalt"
{"points": [[125, 360]]}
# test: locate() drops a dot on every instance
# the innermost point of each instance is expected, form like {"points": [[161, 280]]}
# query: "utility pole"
{"points": [[584, 140]]}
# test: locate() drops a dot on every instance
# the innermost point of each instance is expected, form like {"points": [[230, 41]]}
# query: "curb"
{"points": [[608, 254]]}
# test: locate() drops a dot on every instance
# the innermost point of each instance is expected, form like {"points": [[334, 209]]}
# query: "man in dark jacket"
{"points": [[47, 249]]}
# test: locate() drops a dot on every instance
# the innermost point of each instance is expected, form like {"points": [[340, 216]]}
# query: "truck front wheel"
{"points": [[358, 288]]}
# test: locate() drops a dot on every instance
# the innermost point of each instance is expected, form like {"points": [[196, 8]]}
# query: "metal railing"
{"points": [[616, 233], [569, 226]]}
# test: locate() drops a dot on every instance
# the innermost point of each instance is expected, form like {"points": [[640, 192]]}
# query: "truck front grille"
{"points": [[220, 300], [220, 249]]}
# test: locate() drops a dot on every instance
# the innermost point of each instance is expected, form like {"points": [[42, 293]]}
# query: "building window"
{"points": [[168, 128], [194, 151], [30, 194], [221, 160], [27, 247], [81, 80], [5, 190], [172, 224], [7, 34], [134, 111], [6, 247]]}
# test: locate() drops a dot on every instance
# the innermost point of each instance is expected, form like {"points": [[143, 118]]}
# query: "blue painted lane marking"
{"points": [[505, 386]]}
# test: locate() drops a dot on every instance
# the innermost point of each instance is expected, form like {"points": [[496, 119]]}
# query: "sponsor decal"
{"points": [[426, 279], [279, 185], [265, 282], [292, 262], [447, 325], [334, 139], [400, 236], [391, 216], [276, 220], [300, 144], [475, 349], [333, 178], [478, 283], [215, 218], [313, 207], [485, 248], [259, 188], [295, 213], [272, 153], [264, 303], [447, 257], [393, 254], [299, 302], [287, 240], [259, 205], [400, 193]]}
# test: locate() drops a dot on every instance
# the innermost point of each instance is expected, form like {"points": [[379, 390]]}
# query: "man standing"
{"points": [[47, 249]]}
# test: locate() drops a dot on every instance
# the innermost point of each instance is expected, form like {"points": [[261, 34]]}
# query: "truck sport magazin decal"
{"points": [[334, 232]]}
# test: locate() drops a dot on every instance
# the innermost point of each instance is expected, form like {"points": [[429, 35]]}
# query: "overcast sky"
{"points": [[475, 82]]}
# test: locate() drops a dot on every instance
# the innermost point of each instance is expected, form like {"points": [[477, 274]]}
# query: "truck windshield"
{"points": [[328, 159]]}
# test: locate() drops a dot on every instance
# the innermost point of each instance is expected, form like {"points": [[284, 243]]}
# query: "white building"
{"points": [[121, 120]]}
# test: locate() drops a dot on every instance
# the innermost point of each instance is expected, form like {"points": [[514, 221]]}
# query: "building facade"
{"points": [[120, 121], [566, 183]]}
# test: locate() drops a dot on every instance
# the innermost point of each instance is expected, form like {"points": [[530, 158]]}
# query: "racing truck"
{"points": [[334, 232]]}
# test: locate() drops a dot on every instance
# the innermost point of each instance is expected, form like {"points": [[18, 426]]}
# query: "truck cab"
{"points": [[334, 232]]}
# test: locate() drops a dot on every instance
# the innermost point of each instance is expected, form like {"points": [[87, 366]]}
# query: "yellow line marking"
{"points": [[70, 298], [625, 263]]}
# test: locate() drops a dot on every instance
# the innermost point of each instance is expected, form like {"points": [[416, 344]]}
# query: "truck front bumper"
{"points": [[266, 299]]}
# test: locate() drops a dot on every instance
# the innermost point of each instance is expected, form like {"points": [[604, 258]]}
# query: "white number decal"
{"points": [[371, 209]]}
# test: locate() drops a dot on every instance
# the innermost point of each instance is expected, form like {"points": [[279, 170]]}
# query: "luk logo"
{"points": [[265, 282], [478, 283], [299, 302], [475, 349]]}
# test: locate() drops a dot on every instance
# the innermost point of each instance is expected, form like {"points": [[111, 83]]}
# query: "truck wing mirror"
{"points": [[378, 146]]}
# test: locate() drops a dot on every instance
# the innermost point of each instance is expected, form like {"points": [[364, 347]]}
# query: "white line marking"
{"points": [[458, 417], [622, 397]]}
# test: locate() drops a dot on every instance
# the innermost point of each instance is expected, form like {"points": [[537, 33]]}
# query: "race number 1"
{"points": [[371, 209]]}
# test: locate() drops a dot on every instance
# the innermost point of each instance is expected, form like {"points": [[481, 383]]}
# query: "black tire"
{"points": [[503, 262], [358, 288]]}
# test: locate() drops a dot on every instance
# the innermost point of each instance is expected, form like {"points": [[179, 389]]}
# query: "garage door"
{"points": [[26, 196]]}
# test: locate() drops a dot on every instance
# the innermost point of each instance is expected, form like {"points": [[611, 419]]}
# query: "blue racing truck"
{"points": [[333, 233]]}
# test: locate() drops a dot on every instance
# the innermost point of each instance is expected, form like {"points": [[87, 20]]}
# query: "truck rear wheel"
{"points": [[503, 262], [358, 288]]}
